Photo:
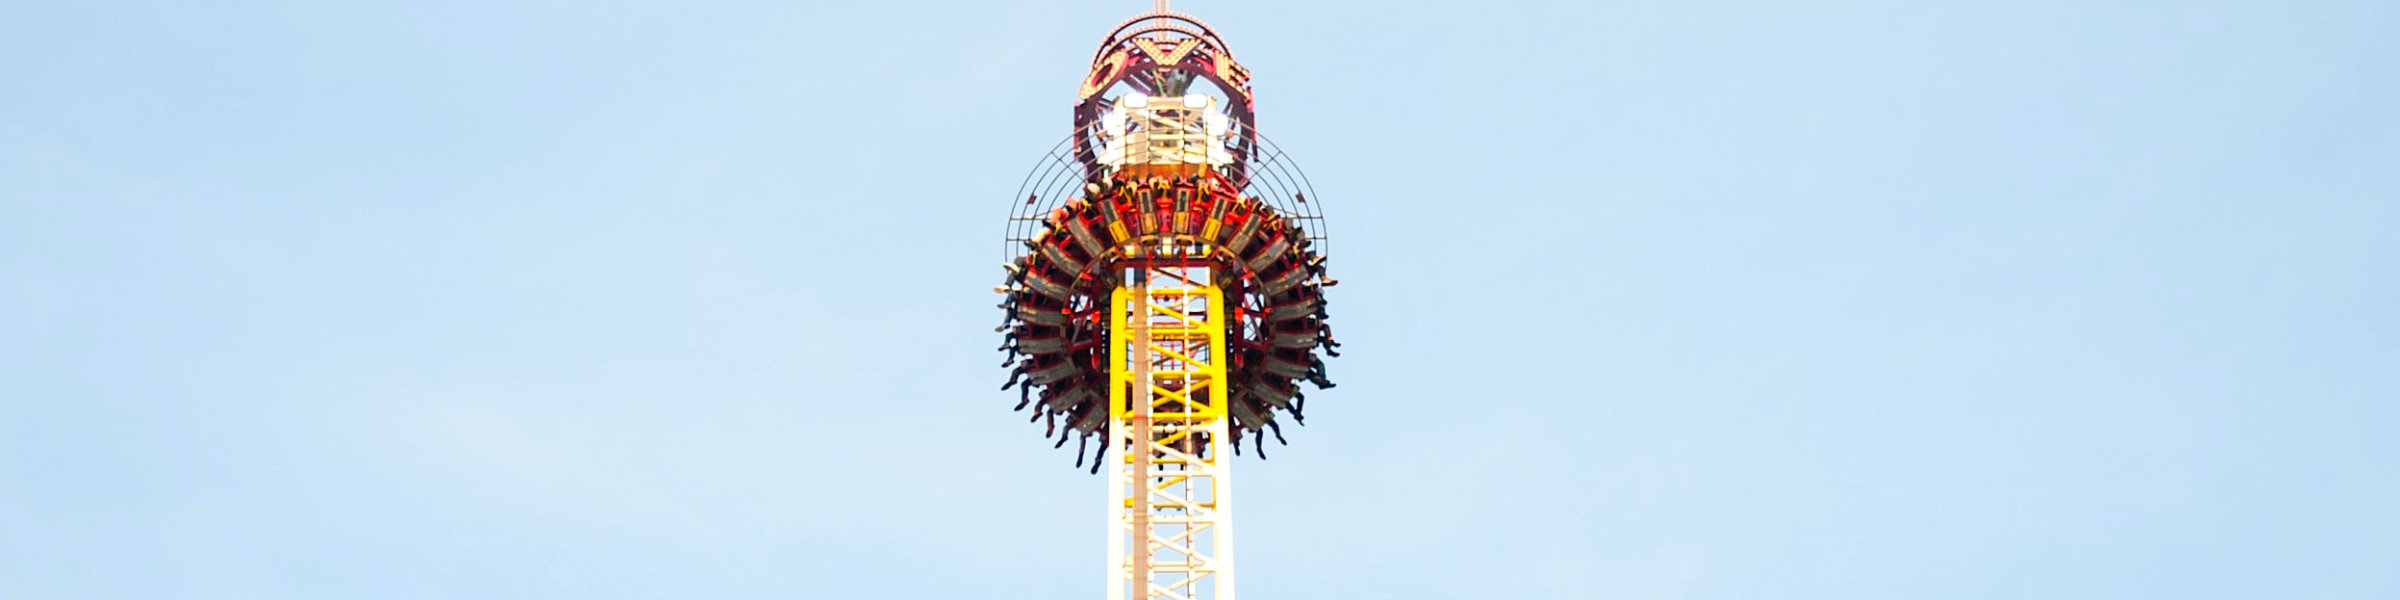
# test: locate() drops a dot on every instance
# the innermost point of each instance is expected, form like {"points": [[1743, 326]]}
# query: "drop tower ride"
{"points": [[1165, 294]]}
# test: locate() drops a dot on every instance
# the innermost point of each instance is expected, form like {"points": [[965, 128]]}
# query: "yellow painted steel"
{"points": [[1187, 354]]}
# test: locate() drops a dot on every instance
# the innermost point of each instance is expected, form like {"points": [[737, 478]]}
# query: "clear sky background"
{"points": [[1692, 299]]}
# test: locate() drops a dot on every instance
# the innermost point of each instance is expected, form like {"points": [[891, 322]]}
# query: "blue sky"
{"points": [[1692, 300]]}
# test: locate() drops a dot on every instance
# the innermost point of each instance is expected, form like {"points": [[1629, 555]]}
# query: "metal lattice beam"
{"points": [[1170, 493]]}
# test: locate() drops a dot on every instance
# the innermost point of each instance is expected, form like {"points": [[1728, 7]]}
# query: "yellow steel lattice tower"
{"points": [[1170, 504]]}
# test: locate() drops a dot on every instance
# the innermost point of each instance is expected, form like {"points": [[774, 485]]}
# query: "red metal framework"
{"points": [[1160, 45]]}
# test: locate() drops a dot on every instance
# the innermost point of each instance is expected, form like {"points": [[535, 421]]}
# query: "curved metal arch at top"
{"points": [[1161, 21], [1131, 52]]}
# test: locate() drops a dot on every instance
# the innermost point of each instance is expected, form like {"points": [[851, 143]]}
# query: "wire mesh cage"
{"points": [[1263, 172]]}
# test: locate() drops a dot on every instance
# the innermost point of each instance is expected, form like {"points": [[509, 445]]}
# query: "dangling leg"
{"points": [[1014, 376]]}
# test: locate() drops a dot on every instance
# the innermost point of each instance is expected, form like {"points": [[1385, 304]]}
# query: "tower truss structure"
{"points": [[1170, 501]]}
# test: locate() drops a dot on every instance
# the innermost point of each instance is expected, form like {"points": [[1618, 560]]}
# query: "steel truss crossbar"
{"points": [[1170, 493]]}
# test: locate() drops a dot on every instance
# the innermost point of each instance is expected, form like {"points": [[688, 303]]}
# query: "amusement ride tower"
{"points": [[1165, 294]]}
